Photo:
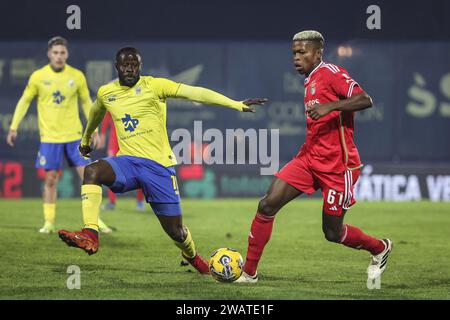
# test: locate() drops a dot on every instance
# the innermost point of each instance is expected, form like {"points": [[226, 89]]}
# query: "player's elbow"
{"points": [[366, 100]]}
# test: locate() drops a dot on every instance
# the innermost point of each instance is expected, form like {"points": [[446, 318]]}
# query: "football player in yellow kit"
{"points": [[137, 105], [57, 86]]}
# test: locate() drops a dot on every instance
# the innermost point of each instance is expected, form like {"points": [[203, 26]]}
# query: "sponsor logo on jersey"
{"points": [[129, 123], [58, 98], [111, 98], [310, 103]]}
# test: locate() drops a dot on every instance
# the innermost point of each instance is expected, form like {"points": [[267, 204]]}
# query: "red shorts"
{"points": [[337, 188]]}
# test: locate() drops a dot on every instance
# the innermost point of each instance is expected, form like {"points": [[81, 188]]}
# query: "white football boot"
{"points": [[103, 227], [378, 263], [245, 278], [48, 228]]}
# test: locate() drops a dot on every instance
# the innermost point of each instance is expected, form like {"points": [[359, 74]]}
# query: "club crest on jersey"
{"points": [[130, 123], [111, 98], [58, 98], [312, 90], [71, 83], [138, 90]]}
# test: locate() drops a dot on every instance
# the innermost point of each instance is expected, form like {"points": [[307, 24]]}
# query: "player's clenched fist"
{"points": [[317, 111], [85, 150]]}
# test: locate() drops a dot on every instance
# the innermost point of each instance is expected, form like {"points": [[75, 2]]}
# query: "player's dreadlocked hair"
{"points": [[55, 41], [126, 50], [310, 35]]}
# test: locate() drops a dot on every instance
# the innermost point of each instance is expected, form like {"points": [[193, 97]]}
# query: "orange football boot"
{"points": [[84, 239], [200, 264]]}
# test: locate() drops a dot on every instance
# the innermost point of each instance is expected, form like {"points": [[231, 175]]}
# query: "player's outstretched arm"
{"points": [[357, 102], [207, 96], [21, 109], [96, 115]]}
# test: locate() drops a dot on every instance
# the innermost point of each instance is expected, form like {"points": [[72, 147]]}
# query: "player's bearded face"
{"points": [[57, 56], [306, 56], [129, 68]]}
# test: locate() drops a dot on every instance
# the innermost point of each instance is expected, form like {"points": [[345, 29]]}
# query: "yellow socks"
{"points": [[49, 213], [188, 245], [91, 199]]}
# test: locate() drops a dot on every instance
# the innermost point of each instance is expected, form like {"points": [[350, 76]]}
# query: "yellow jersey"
{"points": [[139, 116], [57, 104]]}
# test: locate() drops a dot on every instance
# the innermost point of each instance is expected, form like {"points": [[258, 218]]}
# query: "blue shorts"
{"points": [[51, 155], [158, 183]]}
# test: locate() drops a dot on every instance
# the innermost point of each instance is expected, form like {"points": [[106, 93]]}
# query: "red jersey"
{"points": [[113, 146], [329, 145]]}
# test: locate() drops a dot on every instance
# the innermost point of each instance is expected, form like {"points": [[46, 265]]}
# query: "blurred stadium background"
{"points": [[243, 50]]}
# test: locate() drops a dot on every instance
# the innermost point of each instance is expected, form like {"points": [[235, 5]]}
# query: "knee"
{"points": [[91, 175], [332, 235], [51, 179], [177, 233], [268, 206]]}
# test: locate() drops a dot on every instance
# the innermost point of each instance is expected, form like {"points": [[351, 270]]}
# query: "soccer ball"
{"points": [[225, 265]]}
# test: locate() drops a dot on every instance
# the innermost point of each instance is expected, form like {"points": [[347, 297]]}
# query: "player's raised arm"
{"points": [[96, 115], [172, 89], [207, 96], [356, 102], [21, 109]]}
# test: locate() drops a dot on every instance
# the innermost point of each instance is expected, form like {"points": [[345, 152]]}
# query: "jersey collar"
{"points": [[309, 77], [127, 87], [60, 72]]}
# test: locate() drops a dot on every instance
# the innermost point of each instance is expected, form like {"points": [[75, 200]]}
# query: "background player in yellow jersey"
{"points": [[138, 108], [57, 87]]}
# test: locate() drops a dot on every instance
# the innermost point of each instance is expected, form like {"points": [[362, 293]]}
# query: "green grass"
{"points": [[140, 262]]}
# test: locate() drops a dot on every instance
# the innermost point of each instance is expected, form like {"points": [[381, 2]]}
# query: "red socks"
{"points": [[354, 238], [112, 197], [260, 233], [91, 233], [140, 195], [261, 230]]}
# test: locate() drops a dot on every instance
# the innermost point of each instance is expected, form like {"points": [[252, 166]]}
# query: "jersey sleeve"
{"points": [[99, 98], [343, 84], [96, 114], [165, 88], [28, 95], [207, 96], [83, 93]]}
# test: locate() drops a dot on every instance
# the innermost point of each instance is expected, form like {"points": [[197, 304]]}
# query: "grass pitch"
{"points": [[140, 262]]}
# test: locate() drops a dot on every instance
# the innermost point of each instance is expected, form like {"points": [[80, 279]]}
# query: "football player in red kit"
{"points": [[328, 160]]}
